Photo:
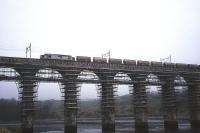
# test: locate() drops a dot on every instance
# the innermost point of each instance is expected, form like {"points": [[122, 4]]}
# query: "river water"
{"points": [[122, 126], [93, 125]]}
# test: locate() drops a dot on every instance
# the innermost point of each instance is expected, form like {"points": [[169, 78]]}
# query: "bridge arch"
{"points": [[49, 100], [8, 72], [153, 89], [89, 79], [10, 94], [123, 95], [48, 74], [182, 97], [89, 94], [10, 75], [88, 74]]}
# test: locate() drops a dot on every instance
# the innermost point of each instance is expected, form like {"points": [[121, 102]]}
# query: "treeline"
{"points": [[49, 109], [53, 109], [9, 110]]}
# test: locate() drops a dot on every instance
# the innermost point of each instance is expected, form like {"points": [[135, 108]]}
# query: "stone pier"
{"points": [[27, 94], [169, 103], [107, 103], [140, 103], [70, 94], [194, 101]]}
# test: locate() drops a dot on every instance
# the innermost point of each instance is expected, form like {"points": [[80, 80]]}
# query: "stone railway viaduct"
{"points": [[26, 74]]}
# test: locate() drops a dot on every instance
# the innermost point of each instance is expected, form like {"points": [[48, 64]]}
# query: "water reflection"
{"points": [[130, 131], [122, 126]]}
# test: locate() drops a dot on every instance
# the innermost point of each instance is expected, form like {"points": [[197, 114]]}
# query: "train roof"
{"points": [[56, 54]]}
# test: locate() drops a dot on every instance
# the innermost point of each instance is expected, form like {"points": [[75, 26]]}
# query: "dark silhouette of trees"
{"points": [[9, 110], [53, 109]]}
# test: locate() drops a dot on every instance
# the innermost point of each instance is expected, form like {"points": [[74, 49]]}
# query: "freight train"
{"points": [[57, 57], [116, 61]]}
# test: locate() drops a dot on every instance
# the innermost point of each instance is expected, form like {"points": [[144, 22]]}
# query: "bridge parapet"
{"points": [[156, 64], [125, 65]]}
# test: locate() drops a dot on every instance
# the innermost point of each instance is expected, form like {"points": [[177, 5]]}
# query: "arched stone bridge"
{"points": [[29, 71]]}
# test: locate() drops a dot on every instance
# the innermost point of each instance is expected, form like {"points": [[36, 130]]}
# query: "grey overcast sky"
{"points": [[133, 29]]}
